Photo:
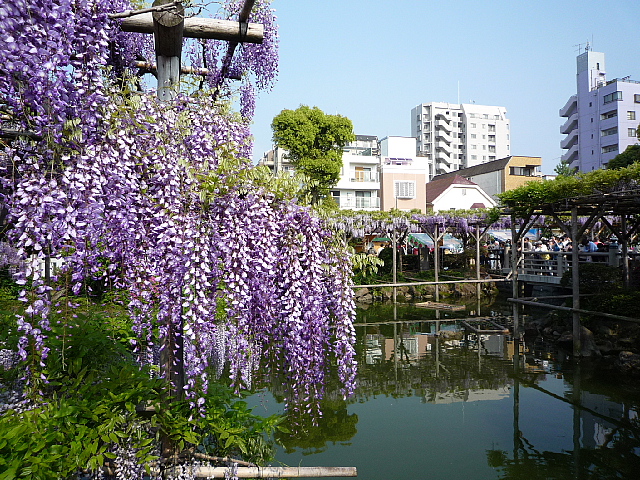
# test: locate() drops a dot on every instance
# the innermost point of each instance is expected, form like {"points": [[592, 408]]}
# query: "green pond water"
{"points": [[452, 407]]}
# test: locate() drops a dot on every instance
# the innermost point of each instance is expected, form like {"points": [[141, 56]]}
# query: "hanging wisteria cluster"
{"points": [[150, 198]]}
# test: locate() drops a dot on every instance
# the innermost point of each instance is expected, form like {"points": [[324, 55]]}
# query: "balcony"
{"points": [[445, 168], [443, 124], [442, 146], [571, 154], [442, 156], [361, 177], [570, 124], [570, 140], [569, 107], [364, 203], [442, 134]]}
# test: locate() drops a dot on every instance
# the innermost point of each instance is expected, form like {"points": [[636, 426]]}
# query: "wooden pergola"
{"points": [[622, 204]]}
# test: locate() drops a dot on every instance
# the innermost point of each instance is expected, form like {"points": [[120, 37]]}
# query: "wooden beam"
{"points": [[276, 472], [440, 282], [195, 27]]}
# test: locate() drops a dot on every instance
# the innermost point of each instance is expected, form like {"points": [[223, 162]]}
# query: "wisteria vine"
{"points": [[149, 197]]}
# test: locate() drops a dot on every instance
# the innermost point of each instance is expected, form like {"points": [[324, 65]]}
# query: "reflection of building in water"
{"points": [[410, 347], [373, 346], [595, 430], [469, 395]]}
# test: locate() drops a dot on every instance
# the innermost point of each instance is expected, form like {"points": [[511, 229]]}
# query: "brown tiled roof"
{"points": [[440, 183], [494, 165]]}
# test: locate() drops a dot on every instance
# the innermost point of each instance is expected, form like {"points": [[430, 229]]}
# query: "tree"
{"points": [[564, 169], [314, 141], [626, 158]]}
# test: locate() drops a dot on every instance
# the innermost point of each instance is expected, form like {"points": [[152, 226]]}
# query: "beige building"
{"points": [[403, 175], [501, 175]]}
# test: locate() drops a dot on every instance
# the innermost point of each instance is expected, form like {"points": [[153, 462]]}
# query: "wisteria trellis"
{"points": [[150, 197]]}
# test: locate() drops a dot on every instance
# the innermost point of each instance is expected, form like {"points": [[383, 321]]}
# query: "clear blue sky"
{"points": [[373, 61]]}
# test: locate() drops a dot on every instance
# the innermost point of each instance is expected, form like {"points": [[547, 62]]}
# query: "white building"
{"points": [[601, 118], [359, 184], [277, 161], [455, 136]]}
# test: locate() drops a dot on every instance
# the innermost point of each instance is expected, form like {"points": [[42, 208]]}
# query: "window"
{"points": [[473, 135], [496, 117], [612, 97], [486, 116], [609, 131], [611, 114], [474, 157], [473, 147], [484, 147], [491, 158], [405, 189], [473, 125], [610, 148], [632, 132], [492, 148], [484, 125], [492, 138], [636, 98], [521, 171], [463, 191], [631, 115], [492, 128], [472, 115]]}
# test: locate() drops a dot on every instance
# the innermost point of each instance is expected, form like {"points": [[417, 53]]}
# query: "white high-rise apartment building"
{"points": [[601, 118], [455, 136]]}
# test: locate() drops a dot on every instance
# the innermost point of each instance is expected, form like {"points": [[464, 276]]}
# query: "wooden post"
{"points": [[436, 256], [625, 250], [394, 244], [575, 278], [515, 240], [478, 260], [168, 27]]}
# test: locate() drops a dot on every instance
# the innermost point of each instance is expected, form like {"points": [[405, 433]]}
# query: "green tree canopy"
{"points": [[314, 140], [626, 158], [563, 168]]}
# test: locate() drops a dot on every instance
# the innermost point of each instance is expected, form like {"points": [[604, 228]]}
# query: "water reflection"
{"points": [[435, 400]]}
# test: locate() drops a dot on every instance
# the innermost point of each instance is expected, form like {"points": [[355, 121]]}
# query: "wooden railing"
{"points": [[550, 264]]}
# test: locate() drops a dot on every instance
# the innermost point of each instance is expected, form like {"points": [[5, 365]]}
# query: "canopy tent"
{"points": [[504, 235], [449, 242]]}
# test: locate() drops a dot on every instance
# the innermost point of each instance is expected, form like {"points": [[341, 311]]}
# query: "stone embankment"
{"points": [[421, 292], [617, 344]]}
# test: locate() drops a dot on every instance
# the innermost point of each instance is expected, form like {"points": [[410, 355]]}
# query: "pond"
{"points": [[454, 406]]}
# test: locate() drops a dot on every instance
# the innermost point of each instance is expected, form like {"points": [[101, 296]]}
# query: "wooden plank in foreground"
{"points": [[440, 306], [276, 472]]}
